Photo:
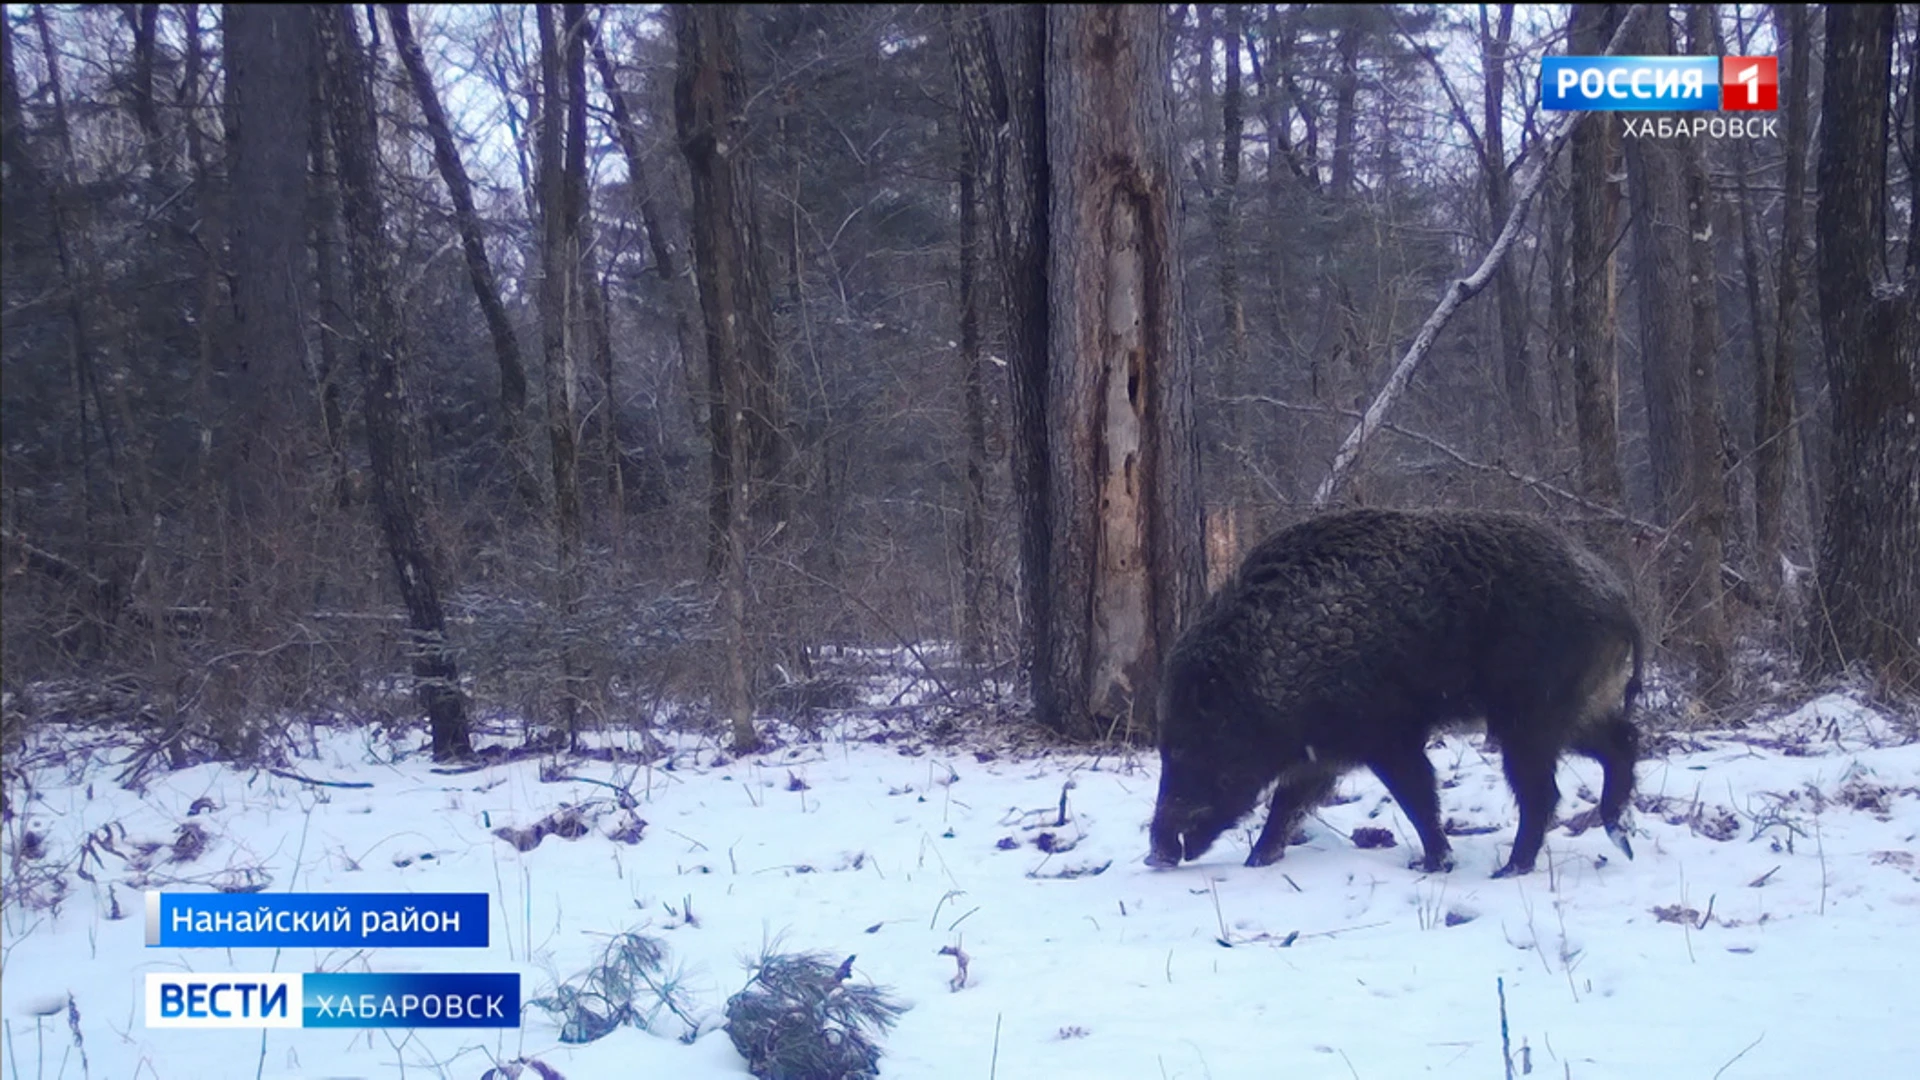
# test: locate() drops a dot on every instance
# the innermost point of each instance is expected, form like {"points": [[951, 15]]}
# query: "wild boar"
{"points": [[1351, 638]]}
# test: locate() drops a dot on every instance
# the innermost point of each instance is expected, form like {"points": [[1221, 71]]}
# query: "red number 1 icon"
{"points": [[1750, 83]]}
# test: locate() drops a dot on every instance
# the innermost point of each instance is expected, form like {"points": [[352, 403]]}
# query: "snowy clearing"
{"points": [[1769, 926]]}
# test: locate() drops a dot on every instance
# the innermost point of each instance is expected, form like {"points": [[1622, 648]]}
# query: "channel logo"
{"points": [[1660, 83], [333, 1000], [188, 1000]]}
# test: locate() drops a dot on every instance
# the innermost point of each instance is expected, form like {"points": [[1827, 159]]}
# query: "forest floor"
{"points": [[1769, 925]]}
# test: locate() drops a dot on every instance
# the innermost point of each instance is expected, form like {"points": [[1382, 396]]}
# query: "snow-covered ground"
{"points": [[1769, 927]]}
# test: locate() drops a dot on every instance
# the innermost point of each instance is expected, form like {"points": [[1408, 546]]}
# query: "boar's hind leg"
{"points": [[1300, 789], [1529, 764], [1615, 744], [1408, 776]]}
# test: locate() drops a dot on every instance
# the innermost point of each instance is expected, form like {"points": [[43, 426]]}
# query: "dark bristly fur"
{"points": [[1349, 639]]}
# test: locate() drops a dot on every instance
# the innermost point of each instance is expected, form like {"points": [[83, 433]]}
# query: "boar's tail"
{"points": [[1634, 683]]}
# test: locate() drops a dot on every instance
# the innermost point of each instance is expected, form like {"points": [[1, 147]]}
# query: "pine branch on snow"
{"points": [[799, 1019]]}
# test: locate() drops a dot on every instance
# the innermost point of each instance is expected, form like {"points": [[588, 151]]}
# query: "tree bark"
{"points": [[709, 102], [1226, 227], [1774, 437], [974, 544], [1004, 101], [1594, 200], [561, 170], [1126, 559], [1869, 608], [1656, 183], [267, 54], [1709, 523], [486, 286], [680, 297], [1346, 91], [1515, 366], [399, 484]]}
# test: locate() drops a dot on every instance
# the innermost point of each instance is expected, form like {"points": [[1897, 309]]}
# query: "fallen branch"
{"points": [[287, 774], [1463, 289]]}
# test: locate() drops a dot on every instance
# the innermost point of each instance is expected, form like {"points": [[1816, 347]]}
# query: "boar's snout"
{"points": [[1182, 832]]}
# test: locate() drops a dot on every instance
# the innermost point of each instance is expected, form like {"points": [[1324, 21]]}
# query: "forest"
{"points": [[563, 369]]}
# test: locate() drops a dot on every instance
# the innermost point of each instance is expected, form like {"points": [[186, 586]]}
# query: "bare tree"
{"points": [[646, 203], [1656, 185], [1226, 219], [1870, 319], [1004, 111], [1515, 369], [399, 483], [709, 102], [486, 286], [1709, 522], [973, 522], [1595, 200], [1774, 438]]}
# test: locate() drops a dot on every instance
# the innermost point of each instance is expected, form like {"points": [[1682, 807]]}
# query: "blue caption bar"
{"points": [[1630, 83], [410, 1000], [324, 920]]}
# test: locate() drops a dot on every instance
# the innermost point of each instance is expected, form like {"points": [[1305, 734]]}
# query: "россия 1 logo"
{"points": [[1660, 83]]}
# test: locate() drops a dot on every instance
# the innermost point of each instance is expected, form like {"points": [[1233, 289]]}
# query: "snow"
{"points": [[1768, 927]]}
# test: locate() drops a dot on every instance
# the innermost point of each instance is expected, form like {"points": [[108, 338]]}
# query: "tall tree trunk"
{"points": [[1869, 607], [486, 286], [211, 205], [1226, 228], [1515, 367], [973, 521], [267, 55], [398, 481], [680, 297], [1346, 91], [323, 214], [710, 99], [709, 102], [1126, 560], [1591, 301], [1206, 19], [1774, 436], [144, 19], [1004, 99], [560, 304], [1656, 182], [1709, 523]]}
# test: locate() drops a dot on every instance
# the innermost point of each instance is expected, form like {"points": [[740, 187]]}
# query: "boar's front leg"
{"points": [[1408, 776], [1301, 788]]}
